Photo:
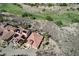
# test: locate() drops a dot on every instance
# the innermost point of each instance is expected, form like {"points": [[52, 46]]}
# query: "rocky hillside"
{"points": [[64, 40], [59, 24], [58, 40]]}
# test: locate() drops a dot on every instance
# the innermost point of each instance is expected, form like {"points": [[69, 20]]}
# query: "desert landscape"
{"points": [[39, 29]]}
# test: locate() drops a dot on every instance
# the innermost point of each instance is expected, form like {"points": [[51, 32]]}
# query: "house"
{"points": [[34, 40], [20, 35], [5, 34]]}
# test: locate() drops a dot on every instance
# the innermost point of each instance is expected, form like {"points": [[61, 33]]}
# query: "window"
{"points": [[16, 35], [17, 30], [23, 36], [24, 32]]}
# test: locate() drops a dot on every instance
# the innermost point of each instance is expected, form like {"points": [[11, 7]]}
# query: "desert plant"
{"points": [[44, 10], [78, 9], [49, 18], [33, 17], [63, 4], [72, 8], [17, 5], [3, 10], [24, 14], [75, 20], [49, 4], [59, 23]]}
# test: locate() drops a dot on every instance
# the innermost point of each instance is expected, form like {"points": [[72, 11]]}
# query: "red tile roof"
{"points": [[34, 39]]}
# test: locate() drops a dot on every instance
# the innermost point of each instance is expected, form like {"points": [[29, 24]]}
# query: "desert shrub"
{"points": [[49, 4], [75, 20], [3, 10], [49, 18], [33, 17], [67, 9], [26, 14], [1, 19], [78, 9], [63, 4], [74, 17], [17, 5], [59, 23], [44, 10], [72, 9], [31, 4], [46, 36]]}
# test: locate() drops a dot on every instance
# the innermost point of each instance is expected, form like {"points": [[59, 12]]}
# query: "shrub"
{"points": [[72, 8], [31, 4], [63, 4], [3, 10], [67, 9], [44, 10], [78, 9], [33, 17], [26, 14], [75, 20], [49, 4], [17, 5], [59, 23], [49, 18]]}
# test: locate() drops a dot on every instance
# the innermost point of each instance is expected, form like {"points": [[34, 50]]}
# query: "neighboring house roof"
{"points": [[7, 34], [34, 39]]}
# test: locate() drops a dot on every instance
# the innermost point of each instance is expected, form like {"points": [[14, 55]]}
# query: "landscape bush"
{"points": [[63, 4], [75, 20], [49, 5], [78, 8], [25, 14], [17, 5], [3, 10], [59, 23], [49, 18], [33, 17]]}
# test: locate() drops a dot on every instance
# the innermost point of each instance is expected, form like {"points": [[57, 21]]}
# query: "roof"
{"points": [[1, 29], [37, 38], [7, 34]]}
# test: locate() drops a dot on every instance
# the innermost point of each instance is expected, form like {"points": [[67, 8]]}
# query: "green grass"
{"points": [[60, 19], [11, 8], [63, 18]]}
